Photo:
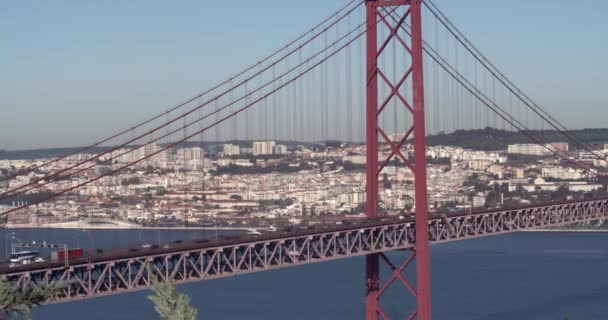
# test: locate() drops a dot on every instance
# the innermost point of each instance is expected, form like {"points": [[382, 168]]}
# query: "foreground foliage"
{"points": [[17, 302], [170, 304]]}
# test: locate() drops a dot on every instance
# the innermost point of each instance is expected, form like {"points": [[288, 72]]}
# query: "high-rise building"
{"points": [[189, 154], [280, 149], [162, 156], [150, 149], [123, 155], [197, 153], [231, 150], [263, 147]]}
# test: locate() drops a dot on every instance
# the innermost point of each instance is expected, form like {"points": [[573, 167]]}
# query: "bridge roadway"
{"points": [[124, 271]]}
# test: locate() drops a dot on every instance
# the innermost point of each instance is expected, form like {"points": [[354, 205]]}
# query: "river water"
{"points": [[516, 276]]}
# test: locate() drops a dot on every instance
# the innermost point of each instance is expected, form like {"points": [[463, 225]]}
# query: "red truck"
{"points": [[71, 253]]}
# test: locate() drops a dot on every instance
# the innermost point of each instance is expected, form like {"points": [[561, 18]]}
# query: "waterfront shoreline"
{"points": [[121, 227]]}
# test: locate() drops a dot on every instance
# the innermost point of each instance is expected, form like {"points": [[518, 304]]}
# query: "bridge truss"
{"points": [[136, 272]]}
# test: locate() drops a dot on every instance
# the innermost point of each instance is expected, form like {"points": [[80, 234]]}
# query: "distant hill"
{"points": [[58, 152], [496, 139], [479, 139], [42, 153]]}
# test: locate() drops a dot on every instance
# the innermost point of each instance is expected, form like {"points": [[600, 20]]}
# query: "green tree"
{"points": [[16, 302], [170, 304]]}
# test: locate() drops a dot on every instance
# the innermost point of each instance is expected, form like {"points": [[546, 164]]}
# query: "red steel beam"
{"points": [[415, 71], [372, 109], [423, 268], [372, 261]]}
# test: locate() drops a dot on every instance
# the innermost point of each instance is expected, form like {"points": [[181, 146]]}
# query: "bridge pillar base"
{"points": [[374, 309]]}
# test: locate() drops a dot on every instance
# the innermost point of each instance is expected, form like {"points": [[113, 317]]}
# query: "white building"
{"points": [[356, 159], [352, 198], [237, 162], [263, 147], [152, 152], [562, 173], [529, 149], [197, 153], [479, 200], [542, 185], [280, 149], [122, 155], [479, 164], [191, 154], [231, 150]]}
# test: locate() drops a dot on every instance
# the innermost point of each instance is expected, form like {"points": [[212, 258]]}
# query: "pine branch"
{"points": [[17, 301], [170, 304]]}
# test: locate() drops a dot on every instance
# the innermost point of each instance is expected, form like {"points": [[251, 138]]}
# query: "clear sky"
{"points": [[74, 71]]}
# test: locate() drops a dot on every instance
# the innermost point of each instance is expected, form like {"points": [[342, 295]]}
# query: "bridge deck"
{"points": [[119, 272]]}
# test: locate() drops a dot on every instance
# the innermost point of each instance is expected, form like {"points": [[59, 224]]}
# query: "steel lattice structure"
{"points": [[413, 47], [115, 276]]}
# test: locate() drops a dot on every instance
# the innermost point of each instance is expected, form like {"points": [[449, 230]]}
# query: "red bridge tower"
{"points": [[378, 12]]}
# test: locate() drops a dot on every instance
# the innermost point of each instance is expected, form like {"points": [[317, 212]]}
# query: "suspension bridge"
{"points": [[384, 74]]}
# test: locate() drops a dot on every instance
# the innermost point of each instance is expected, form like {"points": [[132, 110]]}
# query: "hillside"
{"points": [[480, 139], [496, 139], [59, 152]]}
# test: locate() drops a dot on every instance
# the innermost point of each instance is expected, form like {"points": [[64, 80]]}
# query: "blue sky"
{"points": [[68, 68]]}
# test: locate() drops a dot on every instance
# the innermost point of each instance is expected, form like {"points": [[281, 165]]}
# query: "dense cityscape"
{"points": [[266, 183]]}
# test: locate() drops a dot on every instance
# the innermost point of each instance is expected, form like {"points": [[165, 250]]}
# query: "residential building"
{"points": [[231, 150], [280, 149], [263, 147], [528, 149]]}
